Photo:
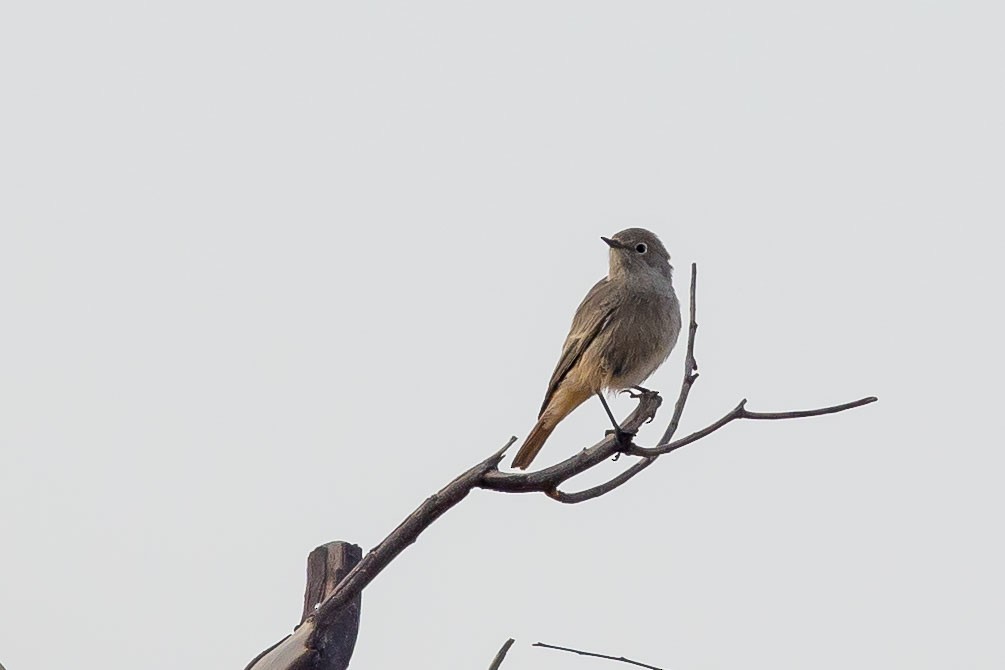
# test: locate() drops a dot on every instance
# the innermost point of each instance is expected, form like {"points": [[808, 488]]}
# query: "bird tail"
{"points": [[532, 444]]}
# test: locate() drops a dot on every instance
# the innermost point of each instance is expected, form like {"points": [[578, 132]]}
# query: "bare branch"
{"points": [[601, 489], [590, 653], [741, 412], [803, 413], [548, 478], [486, 475], [650, 454], [501, 654], [690, 364], [401, 537]]}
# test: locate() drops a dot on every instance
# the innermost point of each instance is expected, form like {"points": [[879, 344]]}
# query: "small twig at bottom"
{"points": [[501, 654], [590, 653]]}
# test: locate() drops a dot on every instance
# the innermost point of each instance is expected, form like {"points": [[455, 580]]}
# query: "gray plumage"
{"points": [[622, 332]]}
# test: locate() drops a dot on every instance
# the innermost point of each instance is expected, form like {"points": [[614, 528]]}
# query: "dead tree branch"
{"points": [[486, 475], [590, 653], [297, 652]]}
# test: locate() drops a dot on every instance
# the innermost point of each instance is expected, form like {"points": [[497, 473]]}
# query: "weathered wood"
{"points": [[327, 565], [331, 647]]}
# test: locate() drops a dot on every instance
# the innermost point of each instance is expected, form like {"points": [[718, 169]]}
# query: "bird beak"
{"points": [[613, 244]]}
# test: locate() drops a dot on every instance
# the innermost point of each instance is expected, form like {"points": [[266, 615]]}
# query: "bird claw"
{"points": [[635, 392], [624, 437]]}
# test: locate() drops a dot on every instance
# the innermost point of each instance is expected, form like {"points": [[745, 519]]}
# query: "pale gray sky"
{"points": [[270, 274]]}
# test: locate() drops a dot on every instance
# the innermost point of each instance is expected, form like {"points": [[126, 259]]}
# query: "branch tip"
{"points": [[509, 443], [501, 654]]}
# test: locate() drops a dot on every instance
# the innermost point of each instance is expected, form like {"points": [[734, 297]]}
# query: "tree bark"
{"points": [[331, 647]]}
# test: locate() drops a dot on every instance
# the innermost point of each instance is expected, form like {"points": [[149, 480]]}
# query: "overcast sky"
{"points": [[271, 274]]}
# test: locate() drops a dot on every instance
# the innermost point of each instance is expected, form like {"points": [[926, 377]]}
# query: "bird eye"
{"points": [[641, 248]]}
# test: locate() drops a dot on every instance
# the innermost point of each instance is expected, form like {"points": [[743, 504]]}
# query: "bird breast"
{"points": [[639, 338]]}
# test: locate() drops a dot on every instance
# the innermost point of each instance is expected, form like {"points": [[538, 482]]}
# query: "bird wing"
{"points": [[592, 316]]}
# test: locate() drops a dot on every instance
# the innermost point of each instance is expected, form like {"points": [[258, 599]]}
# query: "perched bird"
{"points": [[623, 330]]}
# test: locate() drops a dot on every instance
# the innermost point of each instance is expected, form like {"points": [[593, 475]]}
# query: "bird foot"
{"points": [[638, 391], [624, 437]]}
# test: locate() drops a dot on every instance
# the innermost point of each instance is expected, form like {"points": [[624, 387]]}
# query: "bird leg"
{"points": [[624, 437]]}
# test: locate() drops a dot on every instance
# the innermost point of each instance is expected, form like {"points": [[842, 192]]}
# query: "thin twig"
{"points": [[690, 364], [741, 412], [497, 661], [590, 653]]}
